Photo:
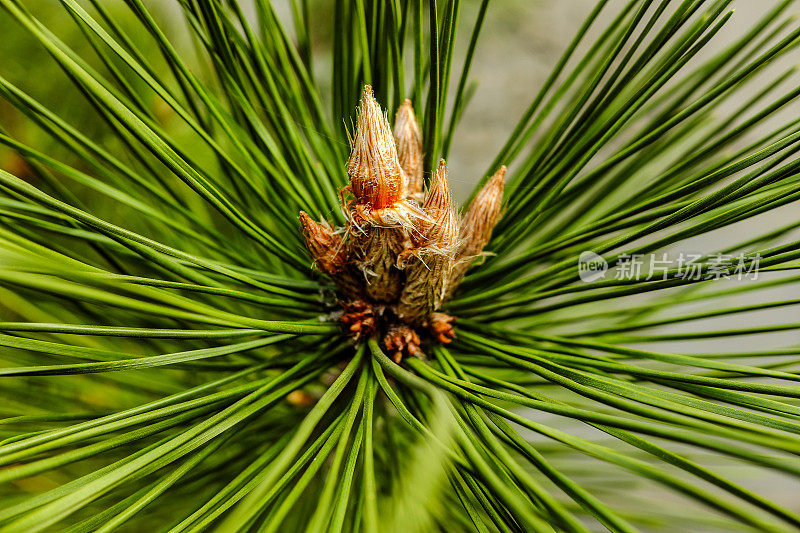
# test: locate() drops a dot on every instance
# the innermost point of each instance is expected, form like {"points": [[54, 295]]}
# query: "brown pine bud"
{"points": [[408, 138], [427, 281], [358, 318], [376, 177], [401, 339], [483, 214], [440, 326], [324, 244], [403, 251], [330, 256], [377, 249], [442, 229], [479, 221], [430, 265]]}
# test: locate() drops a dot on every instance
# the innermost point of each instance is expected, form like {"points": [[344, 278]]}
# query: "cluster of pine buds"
{"points": [[403, 251]]}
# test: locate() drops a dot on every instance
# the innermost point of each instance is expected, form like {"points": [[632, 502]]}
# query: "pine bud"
{"points": [[408, 138], [403, 251], [429, 271], [376, 177], [441, 230], [330, 256], [483, 214], [479, 221], [358, 318], [324, 245]]}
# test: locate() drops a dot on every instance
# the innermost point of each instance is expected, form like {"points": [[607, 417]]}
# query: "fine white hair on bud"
{"points": [[324, 244], [376, 253], [429, 271], [376, 177], [408, 138], [479, 221], [442, 229], [402, 252], [327, 249], [483, 214]]}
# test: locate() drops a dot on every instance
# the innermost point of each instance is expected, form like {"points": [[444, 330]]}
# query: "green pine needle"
{"points": [[170, 360]]}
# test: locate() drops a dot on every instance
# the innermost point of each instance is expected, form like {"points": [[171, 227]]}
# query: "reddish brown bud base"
{"points": [[398, 262]]}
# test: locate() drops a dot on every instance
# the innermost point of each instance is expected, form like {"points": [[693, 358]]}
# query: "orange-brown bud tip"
{"points": [[376, 177], [324, 245], [483, 214], [439, 191], [408, 138], [499, 178], [443, 228]]}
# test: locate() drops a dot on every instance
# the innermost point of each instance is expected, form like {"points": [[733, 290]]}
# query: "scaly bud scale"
{"points": [[327, 249], [479, 221], [376, 178], [429, 270]]}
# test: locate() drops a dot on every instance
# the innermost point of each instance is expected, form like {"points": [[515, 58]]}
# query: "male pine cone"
{"points": [[397, 262]]}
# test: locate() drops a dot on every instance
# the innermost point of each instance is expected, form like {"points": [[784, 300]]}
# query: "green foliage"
{"points": [[158, 307]]}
